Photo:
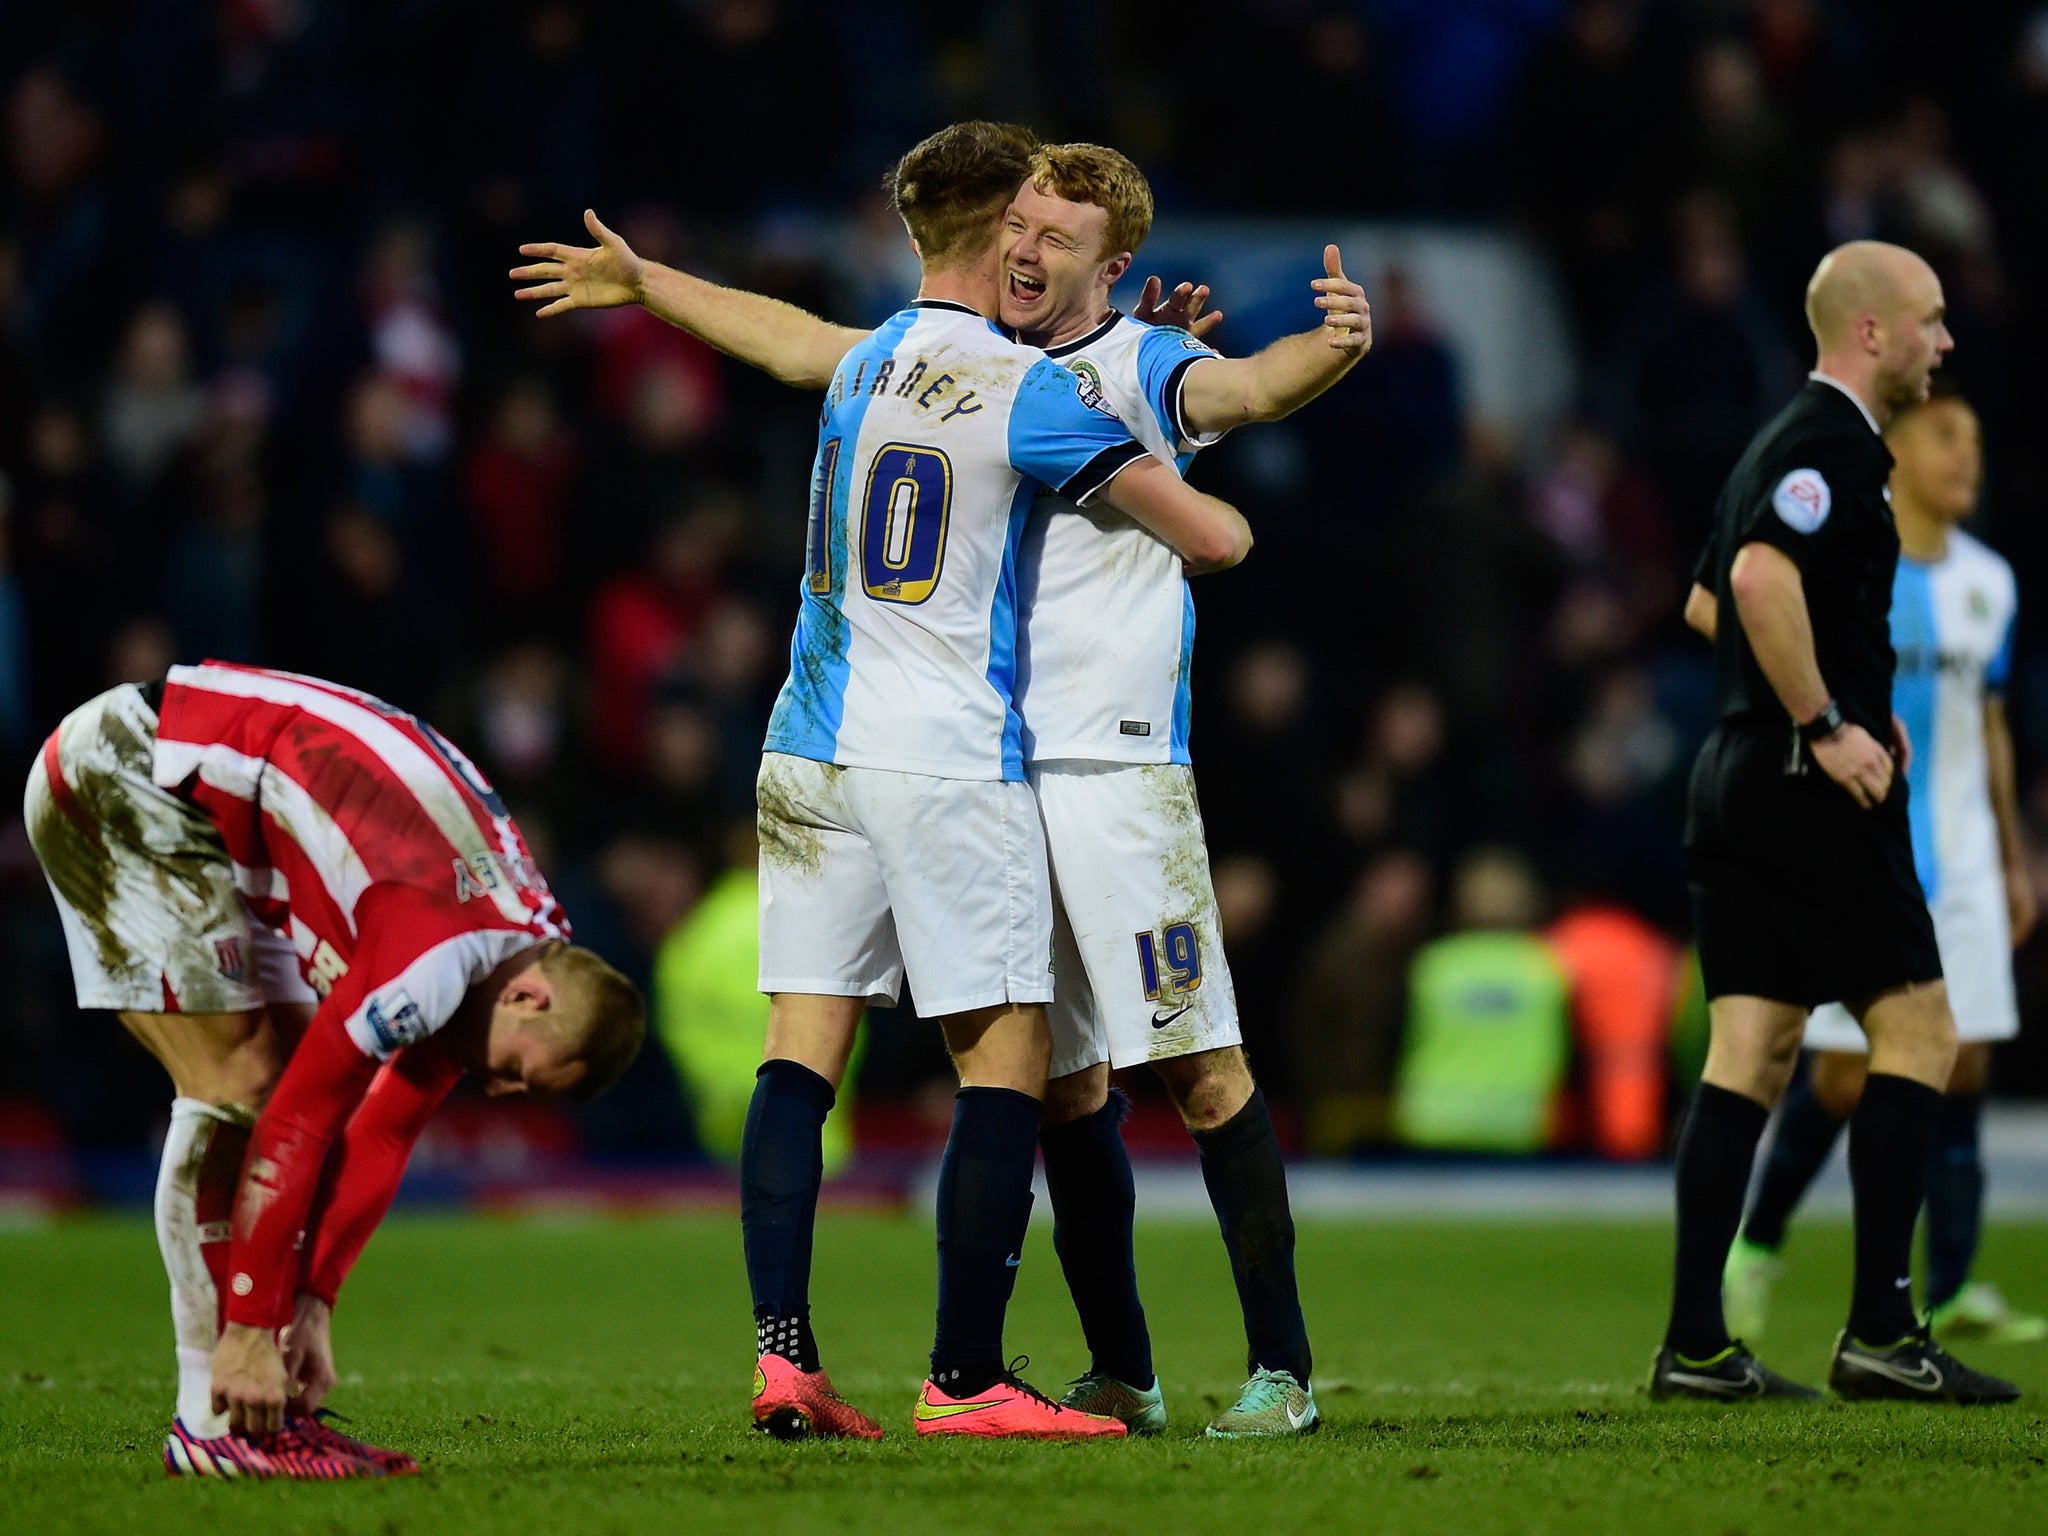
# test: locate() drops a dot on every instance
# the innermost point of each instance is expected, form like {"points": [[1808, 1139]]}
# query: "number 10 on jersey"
{"points": [[905, 508]]}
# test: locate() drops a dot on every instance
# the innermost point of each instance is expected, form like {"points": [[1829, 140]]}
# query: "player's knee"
{"points": [[1972, 1071], [1076, 1096], [1837, 1081], [1208, 1087]]}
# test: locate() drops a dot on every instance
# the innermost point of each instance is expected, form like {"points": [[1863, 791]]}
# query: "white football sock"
{"points": [[194, 1303]]}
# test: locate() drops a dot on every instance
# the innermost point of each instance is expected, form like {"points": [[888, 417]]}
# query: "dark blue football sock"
{"points": [[1247, 1181], [1889, 1138], [1715, 1151], [984, 1209], [1955, 1196], [1800, 1145], [782, 1163], [1094, 1201]]}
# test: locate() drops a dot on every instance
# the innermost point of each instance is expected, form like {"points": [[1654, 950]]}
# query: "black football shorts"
{"points": [[1798, 894]]}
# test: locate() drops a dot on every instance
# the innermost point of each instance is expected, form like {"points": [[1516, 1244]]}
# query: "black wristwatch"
{"points": [[1824, 724]]}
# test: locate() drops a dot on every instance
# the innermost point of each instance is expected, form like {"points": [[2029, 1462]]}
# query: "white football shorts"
{"points": [[867, 873], [1973, 932], [1138, 966], [145, 889]]}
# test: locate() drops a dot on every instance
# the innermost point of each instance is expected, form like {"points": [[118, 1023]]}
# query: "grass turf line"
{"points": [[591, 1375]]}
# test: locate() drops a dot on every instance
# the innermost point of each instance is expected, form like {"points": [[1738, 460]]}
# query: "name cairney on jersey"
{"points": [[1952, 625], [1109, 631], [937, 434]]}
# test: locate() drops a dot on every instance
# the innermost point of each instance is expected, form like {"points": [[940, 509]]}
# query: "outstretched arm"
{"points": [[1225, 392], [1209, 534], [790, 344]]}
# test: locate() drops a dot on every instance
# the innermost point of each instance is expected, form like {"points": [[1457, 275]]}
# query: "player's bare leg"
{"points": [[782, 1164], [984, 1208]]}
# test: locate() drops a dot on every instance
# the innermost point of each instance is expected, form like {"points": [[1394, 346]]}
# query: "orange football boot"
{"points": [[799, 1405], [1009, 1410]]}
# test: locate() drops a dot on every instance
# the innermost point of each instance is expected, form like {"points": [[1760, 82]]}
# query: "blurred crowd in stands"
{"points": [[265, 395]]}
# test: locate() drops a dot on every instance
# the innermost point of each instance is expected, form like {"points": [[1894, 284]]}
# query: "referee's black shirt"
{"points": [[1812, 484]]}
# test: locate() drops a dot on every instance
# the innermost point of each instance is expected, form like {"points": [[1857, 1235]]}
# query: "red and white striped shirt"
{"points": [[335, 806], [364, 834]]}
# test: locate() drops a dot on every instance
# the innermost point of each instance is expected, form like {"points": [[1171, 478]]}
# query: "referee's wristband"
{"points": [[1824, 724]]}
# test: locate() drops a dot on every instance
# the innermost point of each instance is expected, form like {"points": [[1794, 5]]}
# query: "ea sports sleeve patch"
{"points": [[1802, 500]]}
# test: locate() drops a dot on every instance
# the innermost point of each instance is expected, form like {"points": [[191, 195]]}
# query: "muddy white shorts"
{"points": [[1138, 967], [868, 873], [1974, 935], [146, 892]]}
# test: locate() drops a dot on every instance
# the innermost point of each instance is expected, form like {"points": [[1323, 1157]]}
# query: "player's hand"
{"points": [[249, 1380], [1902, 745], [1183, 307], [1347, 318], [308, 1354], [1854, 760], [569, 277], [2020, 908]]}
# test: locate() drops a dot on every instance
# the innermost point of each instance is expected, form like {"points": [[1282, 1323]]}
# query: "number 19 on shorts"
{"points": [[1182, 957]]}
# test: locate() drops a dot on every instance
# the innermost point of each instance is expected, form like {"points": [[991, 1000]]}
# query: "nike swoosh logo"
{"points": [[1925, 1377], [1294, 1420], [1159, 1023], [925, 1412], [1751, 1384], [1012, 1262]]}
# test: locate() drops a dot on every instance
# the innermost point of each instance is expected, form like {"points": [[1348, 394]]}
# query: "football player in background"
{"points": [[863, 762], [317, 915], [1103, 689], [1954, 603]]}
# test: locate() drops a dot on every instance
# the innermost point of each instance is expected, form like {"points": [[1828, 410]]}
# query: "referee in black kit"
{"points": [[1796, 840]]}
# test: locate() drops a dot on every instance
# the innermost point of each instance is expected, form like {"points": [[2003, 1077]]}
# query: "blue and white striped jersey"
{"points": [[936, 435], [1109, 632], [1952, 625]]}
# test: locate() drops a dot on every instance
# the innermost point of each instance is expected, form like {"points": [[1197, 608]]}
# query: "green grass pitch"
{"points": [[585, 1375]]}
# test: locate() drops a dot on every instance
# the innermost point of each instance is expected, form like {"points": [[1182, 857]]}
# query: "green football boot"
{"points": [[1143, 1413], [1746, 1282], [1271, 1403], [1980, 1311]]}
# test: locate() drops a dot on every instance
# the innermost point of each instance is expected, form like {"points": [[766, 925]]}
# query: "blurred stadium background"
{"points": [[265, 395]]}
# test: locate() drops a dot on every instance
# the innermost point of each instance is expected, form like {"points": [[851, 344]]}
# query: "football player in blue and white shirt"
{"points": [[1103, 673], [1954, 602]]}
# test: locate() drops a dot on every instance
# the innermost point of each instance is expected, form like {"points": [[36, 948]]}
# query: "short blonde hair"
{"points": [[1091, 173], [604, 1011], [956, 184]]}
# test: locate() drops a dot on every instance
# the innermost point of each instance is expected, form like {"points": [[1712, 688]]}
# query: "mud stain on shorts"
{"points": [[1170, 800], [792, 838]]}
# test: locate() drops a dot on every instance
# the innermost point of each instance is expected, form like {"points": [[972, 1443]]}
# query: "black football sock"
{"points": [[984, 1209], [1955, 1196], [782, 1163], [1800, 1144], [1889, 1137], [1094, 1202], [1715, 1151], [1247, 1181]]}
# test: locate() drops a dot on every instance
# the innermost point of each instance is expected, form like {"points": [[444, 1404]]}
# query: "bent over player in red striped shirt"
{"points": [[317, 914]]}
